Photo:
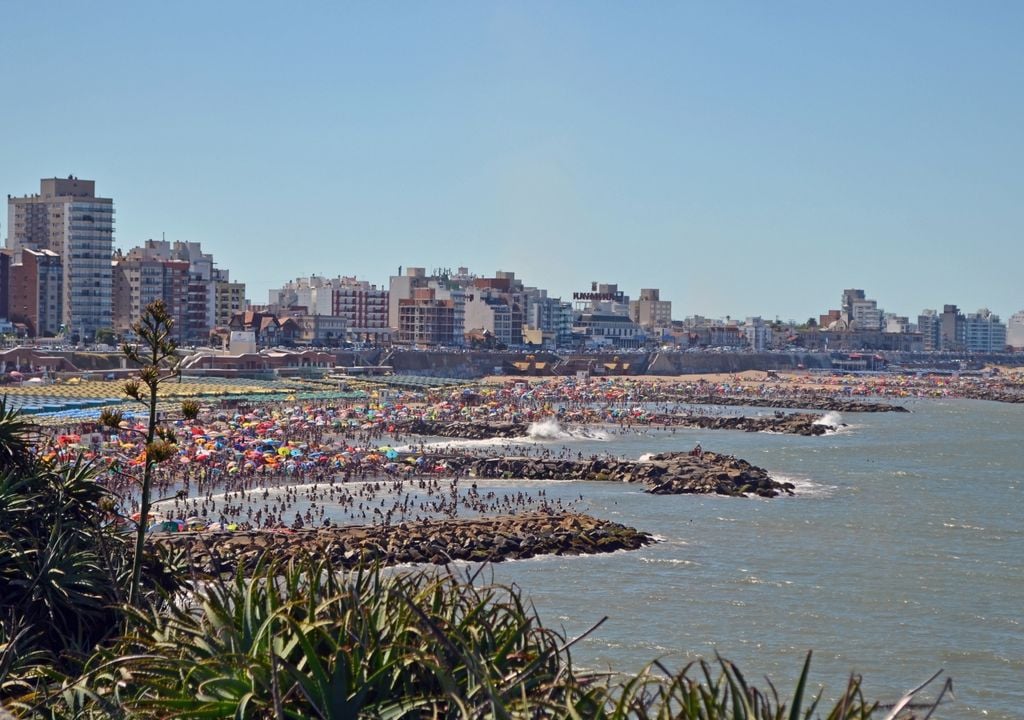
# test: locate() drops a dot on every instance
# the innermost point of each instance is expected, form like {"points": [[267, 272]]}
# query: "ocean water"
{"points": [[901, 554]]}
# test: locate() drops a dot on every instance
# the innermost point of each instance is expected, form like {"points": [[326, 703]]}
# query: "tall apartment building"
{"points": [[67, 218], [930, 326], [364, 308], [424, 319], [650, 311], [861, 313], [229, 298], [1015, 331], [490, 313], [428, 310], [499, 301], [180, 274], [36, 292], [952, 329], [983, 332], [550, 316], [140, 278]]}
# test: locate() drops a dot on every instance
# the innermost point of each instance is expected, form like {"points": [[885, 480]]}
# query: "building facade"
{"points": [[229, 298], [929, 325], [36, 292], [360, 306], [757, 333], [181, 275], [67, 218], [428, 310], [984, 333], [952, 329], [650, 311], [1015, 331]]}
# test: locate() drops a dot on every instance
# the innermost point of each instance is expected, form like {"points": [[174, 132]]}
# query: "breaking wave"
{"points": [[550, 429], [831, 419]]}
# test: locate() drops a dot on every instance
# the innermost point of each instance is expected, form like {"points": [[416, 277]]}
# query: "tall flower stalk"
{"points": [[154, 352]]}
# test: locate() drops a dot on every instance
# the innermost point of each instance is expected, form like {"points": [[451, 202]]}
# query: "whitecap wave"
{"points": [[830, 419], [551, 430], [805, 487]]}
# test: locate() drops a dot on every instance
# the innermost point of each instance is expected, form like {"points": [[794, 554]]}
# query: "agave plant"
{"points": [[308, 641], [64, 571], [17, 436]]}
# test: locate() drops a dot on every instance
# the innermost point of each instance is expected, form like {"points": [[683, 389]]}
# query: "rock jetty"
{"points": [[489, 539], [804, 402], [465, 430], [665, 474], [792, 424]]}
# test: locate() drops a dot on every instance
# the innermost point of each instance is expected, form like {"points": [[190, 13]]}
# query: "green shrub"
{"points": [[308, 641]]}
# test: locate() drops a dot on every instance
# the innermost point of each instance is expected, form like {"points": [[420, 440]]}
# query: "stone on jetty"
{"points": [[790, 424], [665, 474], [465, 430], [490, 539], [799, 401]]}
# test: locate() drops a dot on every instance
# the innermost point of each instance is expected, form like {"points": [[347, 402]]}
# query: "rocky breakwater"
{"points": [[793, 424], [488, 539], [665, 474], [465, 430], [805, 402]]}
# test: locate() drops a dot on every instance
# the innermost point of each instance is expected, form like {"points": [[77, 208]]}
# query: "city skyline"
{"points": [[743, 159], [459, 271]]}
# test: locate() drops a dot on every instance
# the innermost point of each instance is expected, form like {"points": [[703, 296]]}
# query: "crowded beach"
{"points": [[314, 459]]}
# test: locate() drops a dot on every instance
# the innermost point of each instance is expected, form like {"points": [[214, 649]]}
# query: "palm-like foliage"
{"points": [[307, 641], [56, 583], [17, 436], [63, 569]]}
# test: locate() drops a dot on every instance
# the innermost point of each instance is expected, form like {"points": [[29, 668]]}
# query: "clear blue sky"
{"points": [[746, 158]]}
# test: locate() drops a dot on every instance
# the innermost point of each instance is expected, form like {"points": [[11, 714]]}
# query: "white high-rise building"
{"points": [[67, 218], [983, 332]]}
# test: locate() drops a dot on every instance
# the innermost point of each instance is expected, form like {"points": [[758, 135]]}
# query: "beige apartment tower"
{"points": [[67, 218]]}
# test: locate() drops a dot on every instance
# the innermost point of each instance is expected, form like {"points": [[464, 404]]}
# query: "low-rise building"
{"points": [[600, 329]]}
